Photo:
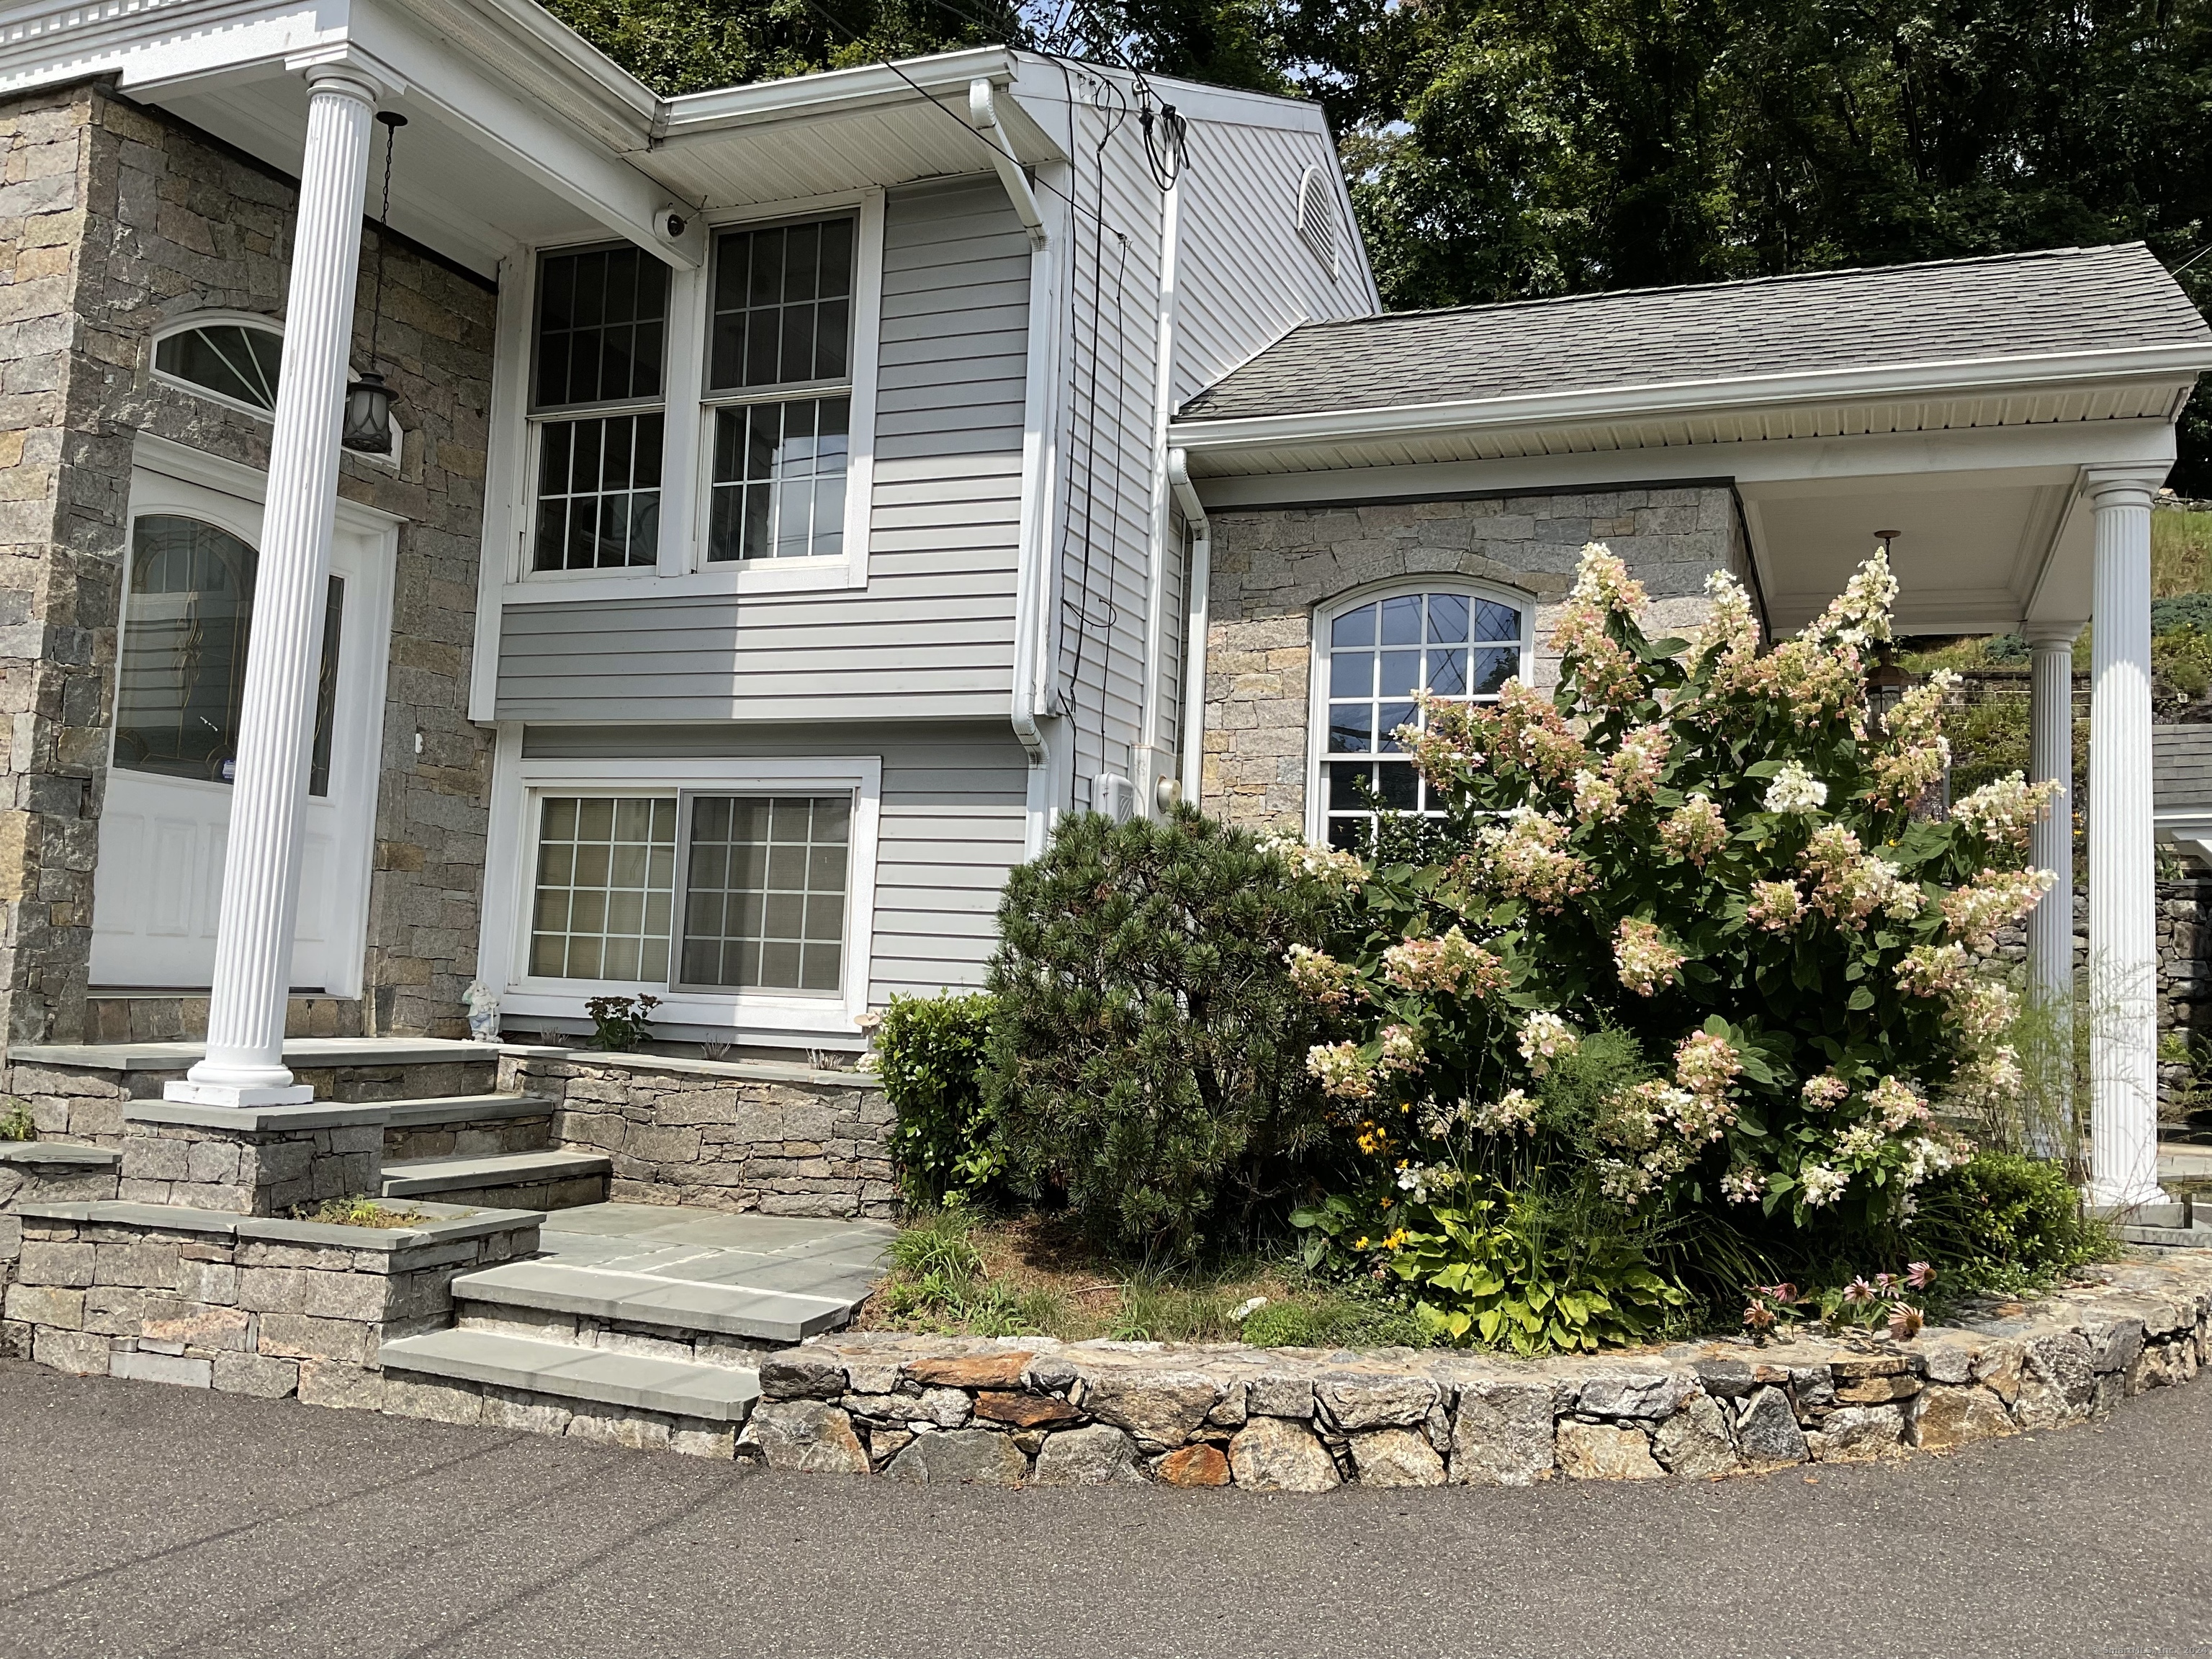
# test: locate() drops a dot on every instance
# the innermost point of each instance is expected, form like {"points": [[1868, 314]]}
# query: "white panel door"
{"points": [[186, 616]]}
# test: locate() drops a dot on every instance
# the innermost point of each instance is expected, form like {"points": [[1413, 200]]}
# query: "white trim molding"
{"points": [[510, 887]]}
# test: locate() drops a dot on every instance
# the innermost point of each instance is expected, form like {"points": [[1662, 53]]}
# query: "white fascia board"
{"points": [[1235, 106], [550, 59], [1761, 466], [1219, 439], [525, 135], [834, 92], [148, 43]]}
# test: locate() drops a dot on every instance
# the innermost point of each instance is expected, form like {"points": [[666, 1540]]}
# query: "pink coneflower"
{"points": [[1858, 1290], [1904, 1322], [1919, 1275]]}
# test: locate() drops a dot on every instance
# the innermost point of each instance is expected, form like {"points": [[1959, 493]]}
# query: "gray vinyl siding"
{"points": [[933, 632], [954, 802]]}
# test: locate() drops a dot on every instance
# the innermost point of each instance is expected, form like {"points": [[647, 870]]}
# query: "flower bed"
{"points": [[1011, 1412]]}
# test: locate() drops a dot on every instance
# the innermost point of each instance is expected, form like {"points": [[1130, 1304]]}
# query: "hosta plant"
{"points": [[1716, 852]]}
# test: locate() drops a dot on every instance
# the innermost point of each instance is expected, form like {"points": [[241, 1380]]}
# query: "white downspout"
{"points": [[983, 116], [1156, 785], [1193, 670], [1033, 579]]}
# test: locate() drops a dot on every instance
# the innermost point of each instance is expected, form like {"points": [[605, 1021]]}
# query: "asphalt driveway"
{"points": [[140, 1520]]}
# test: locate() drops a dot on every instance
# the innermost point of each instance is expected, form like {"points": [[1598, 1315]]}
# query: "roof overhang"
{"points": [[1980, 463], [2147, 382], [521, 133]]}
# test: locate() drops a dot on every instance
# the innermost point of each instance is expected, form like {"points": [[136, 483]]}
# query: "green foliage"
{"points": [[1323, 1318], [1147, 1055], [2004, 1225], [358, 1212], [620, 1023], [677, 46], [15, 1122], [1509, 149], [929, 1053]]}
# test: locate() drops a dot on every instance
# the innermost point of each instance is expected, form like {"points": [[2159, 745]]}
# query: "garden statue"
{"points": [[483, 1012]]}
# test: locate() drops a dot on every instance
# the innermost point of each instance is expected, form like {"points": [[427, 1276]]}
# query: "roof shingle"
{"points": [[2013, 304]]}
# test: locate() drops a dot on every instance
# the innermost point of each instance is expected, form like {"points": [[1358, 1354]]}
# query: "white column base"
{"points": [[186, 1092]]}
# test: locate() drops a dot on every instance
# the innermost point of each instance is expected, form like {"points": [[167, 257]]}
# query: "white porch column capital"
{"points": [[2051, 636], [244, 1066], [2123, 871]]}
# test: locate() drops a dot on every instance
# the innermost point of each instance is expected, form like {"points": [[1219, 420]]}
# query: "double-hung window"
{"points": [[778, 388], [597, 405]]}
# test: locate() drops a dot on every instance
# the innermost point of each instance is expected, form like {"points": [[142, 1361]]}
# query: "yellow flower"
{"points": [[1396, 1241], [1359, 1244]]}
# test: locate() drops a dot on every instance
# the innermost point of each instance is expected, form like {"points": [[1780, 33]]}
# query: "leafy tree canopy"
{"points": [[1502, 149]]}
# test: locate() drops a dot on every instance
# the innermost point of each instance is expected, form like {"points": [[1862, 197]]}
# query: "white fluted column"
{"points": [[2050, 843], [2123, 872], [244, 1063]]}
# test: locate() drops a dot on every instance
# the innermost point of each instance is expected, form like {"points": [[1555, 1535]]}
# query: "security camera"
{"points": [[671, 224]]}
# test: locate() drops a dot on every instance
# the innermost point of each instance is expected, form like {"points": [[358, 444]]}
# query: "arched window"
{"points": [[1371, 654], [233, 360]]}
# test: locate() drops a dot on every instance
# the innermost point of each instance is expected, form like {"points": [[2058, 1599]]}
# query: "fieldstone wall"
{"points": [[1273, 566], [115, 218], [206, 1159], [42, 1172], [247, 1305], [728, 1135], [1019, 1412]]}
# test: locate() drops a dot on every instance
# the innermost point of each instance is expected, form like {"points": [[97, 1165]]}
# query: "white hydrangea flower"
{"points": [[1795, 790]]}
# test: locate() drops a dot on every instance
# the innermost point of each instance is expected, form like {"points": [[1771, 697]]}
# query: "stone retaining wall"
{"points": [[1021, 1411], [728, 1135], [39, 1172], [244, 1304]]}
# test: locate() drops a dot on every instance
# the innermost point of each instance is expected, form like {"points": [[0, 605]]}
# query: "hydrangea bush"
{"points": [[1714, 851]]}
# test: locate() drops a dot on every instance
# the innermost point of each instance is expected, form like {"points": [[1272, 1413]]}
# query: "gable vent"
{"points": [[1317, 218]]}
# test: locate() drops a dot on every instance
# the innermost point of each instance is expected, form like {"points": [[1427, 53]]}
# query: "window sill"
{"points": [[763, 1012], [757, 576]]}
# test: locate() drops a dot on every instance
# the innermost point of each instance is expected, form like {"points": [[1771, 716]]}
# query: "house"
{"points": [[774, 533], [797, 494]]}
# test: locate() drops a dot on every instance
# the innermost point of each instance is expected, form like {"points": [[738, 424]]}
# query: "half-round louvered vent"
{"points": [[1317, 217]]}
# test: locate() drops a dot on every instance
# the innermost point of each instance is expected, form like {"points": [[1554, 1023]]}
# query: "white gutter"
{"points": [[1194, 667], [983, 116], [944, 75], [1630, 401]]}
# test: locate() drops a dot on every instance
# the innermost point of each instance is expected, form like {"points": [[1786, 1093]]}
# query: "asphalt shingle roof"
{"points": [[2022, 304]]}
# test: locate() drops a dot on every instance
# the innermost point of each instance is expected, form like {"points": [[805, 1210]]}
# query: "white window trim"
{"points": [[686, 454], [512, 862], [198, 319], [1317, 663]]}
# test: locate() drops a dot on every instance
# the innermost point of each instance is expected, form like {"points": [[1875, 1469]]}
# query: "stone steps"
{"points": [[677, 1309], [565, 1370], [546, 1179], [467, 1125]]}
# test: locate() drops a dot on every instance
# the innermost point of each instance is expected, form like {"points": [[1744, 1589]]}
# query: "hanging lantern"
{"points": [[368, 429], [1886, 683], [368, 415]]}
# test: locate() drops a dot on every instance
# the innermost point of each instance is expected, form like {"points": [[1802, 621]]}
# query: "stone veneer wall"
{"points": [[1019, 1410], [734, 1135], [246, 1305], [1273, 565], [115, 218]]}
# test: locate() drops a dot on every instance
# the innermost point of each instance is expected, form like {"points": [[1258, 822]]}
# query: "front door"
{"points": [[187, 615]]}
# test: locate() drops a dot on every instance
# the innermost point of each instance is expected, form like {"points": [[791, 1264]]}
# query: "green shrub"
{"points": [[929, 1053], [2002, 1224], [15, 1122], [620, 1023], [1148, 1054]]}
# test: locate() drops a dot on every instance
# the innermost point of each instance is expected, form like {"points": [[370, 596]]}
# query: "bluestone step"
{"points": [[422, 1177], [465, 1109], [718, 1392], [768, 1313]]}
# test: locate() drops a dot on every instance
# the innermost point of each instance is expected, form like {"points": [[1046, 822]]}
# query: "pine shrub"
{"points": [[1148, 1058]]}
